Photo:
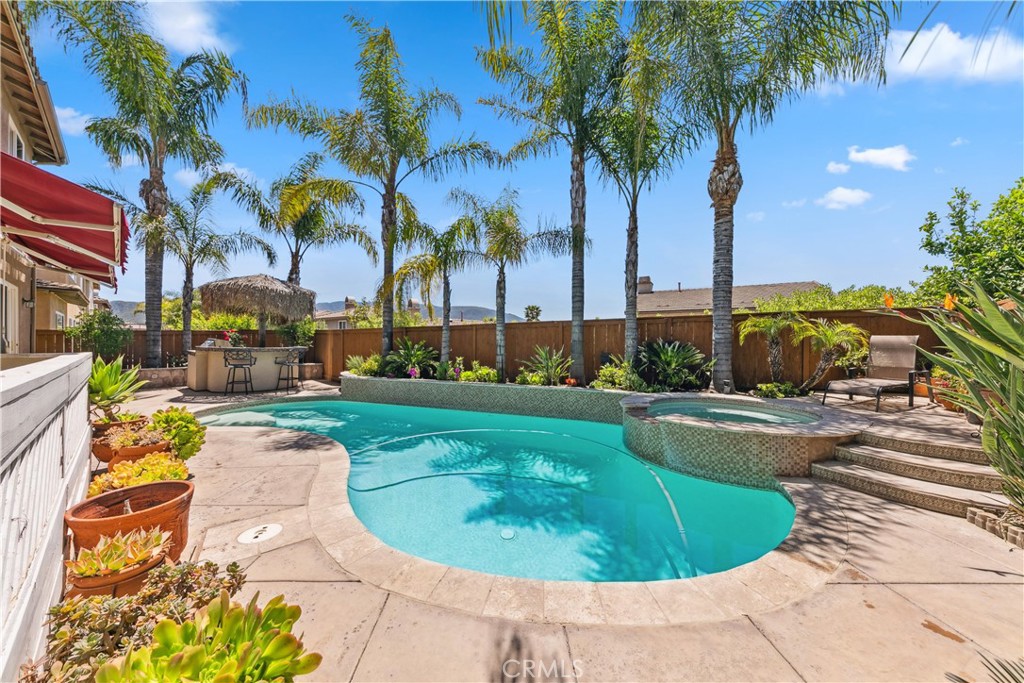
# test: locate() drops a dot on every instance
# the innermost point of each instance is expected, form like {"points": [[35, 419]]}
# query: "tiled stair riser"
{"points": [[934, 450], [978, 482], [891, 492]]}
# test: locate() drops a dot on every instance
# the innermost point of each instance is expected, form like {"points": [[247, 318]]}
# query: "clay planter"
{"points": [[921, 389], [101, 428], [163, 504], [131, 453], [127, 582]]}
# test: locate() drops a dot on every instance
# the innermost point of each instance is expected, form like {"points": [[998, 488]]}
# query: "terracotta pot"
{"points": [[163, 504], [921, 389], [127, 582], [101, 428], [101, 450], [131, 453], [948, 405]]}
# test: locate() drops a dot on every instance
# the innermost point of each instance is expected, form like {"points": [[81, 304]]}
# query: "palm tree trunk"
{"points": [[828, 358], [446, 314], [186, 312], [153, 192], [499, 324], [388, 227], [775, 358], [578, 199], [261, 324], [724, 186], [293, 271], [632, 259]]}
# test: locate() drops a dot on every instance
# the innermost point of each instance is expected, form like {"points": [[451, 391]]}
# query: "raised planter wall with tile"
{"points": [[560, 402]]}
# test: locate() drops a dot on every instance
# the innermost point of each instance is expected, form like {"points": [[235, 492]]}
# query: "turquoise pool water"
{"points": [[531, 497], [730, 411]]}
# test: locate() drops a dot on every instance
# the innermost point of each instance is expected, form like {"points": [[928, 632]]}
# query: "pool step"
{"points": [[931, 449], [951, 500], [968, 475]]}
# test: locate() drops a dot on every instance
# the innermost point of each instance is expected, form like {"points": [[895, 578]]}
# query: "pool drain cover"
{"points": [[508, 534], [258, 534]]}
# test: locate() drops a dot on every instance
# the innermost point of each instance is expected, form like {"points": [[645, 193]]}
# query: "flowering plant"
{"points": [[414, 373], [232, 337], [570, 382]]}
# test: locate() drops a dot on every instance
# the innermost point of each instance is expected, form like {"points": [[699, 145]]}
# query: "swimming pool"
{"points": [[730, 411], [531, 497]]}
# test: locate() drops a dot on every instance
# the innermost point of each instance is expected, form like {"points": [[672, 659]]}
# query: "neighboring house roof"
{"points": [[70, 293], [698, 300], [28, 93], [331, 315]]}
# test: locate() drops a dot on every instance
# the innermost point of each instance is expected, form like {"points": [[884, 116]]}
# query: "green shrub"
{"points": [[618, 374], [182, 429], [101, 332], [450, 371], [673, 366], [223, 641], [478, 373], [300, 333], [86, 632], [410, 359], [530, 378], [776, 390], [552, 366], [365, 367]]}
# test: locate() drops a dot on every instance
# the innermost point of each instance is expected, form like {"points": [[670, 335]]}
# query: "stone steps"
{"points": [[958, 473], [951, 500], [932, 449]]}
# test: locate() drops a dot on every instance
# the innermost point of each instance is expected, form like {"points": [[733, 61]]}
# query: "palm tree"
{"points": [[383, 142], [162, 111], [192, 238], [506, 245], [561, 96], [831, 339], [303, 208], [637, 143], [737, 63], [445, 252], [771, 328]]}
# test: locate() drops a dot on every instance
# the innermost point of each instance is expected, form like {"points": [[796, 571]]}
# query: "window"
{"points": [[58, 321], [8, 317], [15, 145]]}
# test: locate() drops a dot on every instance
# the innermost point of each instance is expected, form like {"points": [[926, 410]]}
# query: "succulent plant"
{"points": [[224, 642], [119, 552], [183, 430], [110, 386], [153, 467], [126, 437]]}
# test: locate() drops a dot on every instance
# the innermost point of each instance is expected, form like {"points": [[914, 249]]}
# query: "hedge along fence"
{"points": [[605, 337], [54, 341]]}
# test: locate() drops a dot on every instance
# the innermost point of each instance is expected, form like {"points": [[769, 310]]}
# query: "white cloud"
{"points": [[895, 157], [840, 198], [795, 203], [958, 141], [830, 89], [188, 26], [755, 216], [128, 161], [939, 170], [837, 168], [940, 53], [187, 177], [72, 122]]}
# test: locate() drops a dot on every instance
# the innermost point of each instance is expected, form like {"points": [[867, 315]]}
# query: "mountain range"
{"points": [[126, 311]]}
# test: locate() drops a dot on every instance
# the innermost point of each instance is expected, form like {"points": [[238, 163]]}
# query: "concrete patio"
{"points": [[863, 590]]}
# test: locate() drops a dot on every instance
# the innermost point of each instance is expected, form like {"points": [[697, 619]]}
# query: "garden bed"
{"points": [[570, 403], [993, 523]]}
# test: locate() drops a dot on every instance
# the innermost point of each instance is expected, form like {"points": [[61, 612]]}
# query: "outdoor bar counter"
{"points": [[206, 370]]}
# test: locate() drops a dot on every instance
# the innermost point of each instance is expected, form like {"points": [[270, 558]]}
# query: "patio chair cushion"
{"points": [[866, 385]]}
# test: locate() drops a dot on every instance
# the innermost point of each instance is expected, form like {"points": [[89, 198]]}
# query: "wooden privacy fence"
{"points": [[605, 337], [54, 341]]}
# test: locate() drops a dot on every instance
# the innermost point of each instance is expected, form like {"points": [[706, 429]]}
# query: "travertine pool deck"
{"points": [[863, 589]]}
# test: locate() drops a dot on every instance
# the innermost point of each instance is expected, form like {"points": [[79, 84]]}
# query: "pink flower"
{"points": [[413, 373]]}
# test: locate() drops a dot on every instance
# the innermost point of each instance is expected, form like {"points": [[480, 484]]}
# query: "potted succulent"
{"points": [[110, 386], [149, 468], [163, 504], [182, 429], [945, 384], [224, 641], [129, 443], [118, 564]]}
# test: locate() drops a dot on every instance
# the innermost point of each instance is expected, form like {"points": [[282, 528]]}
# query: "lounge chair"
{"points": [[892, 362]]}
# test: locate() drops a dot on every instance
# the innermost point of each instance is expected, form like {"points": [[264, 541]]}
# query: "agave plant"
{"points": [[674, 366], [116, 553], [110, 385], [985, 347], [224, 641], [410, 359], [549, 365]]}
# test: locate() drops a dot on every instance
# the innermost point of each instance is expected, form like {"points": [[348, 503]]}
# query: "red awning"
{"points": [[60, 224]]}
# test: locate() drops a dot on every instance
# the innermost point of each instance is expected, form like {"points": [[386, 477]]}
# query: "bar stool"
{"points": [[235, 360], [288, 370]]}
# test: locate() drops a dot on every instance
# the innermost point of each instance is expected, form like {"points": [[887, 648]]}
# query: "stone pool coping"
{"points": [[806, 559]]}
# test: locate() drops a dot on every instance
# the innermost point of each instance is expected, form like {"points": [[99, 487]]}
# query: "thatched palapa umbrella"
{"points": [[261, 295]]}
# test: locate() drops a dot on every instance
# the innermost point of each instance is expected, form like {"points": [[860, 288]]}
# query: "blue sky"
{"points": [[834, 189]]}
